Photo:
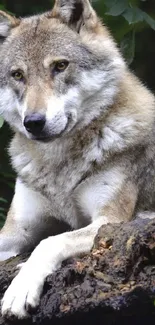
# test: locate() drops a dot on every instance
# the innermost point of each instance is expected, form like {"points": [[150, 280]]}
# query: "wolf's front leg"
{"points": [[109, 199], [21, 231], [26, 288]]}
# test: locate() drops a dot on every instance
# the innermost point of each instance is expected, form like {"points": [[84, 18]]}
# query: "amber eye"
{"points": [[17, 75], [60, 66]]}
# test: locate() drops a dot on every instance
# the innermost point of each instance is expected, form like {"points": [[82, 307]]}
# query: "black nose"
{"points": [[34, 123]]}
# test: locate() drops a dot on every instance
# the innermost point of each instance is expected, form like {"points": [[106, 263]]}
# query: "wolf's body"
{"points": [[93, 159]]}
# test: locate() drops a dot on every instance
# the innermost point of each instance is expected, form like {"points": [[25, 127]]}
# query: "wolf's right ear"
{"points": [[75, 13], [7, 22]]}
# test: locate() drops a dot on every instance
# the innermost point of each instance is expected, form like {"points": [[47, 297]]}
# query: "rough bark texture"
{"points": [[113, 285]]}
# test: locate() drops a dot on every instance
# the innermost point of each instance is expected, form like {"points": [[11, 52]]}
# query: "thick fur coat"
{"points": [[83, 145]]}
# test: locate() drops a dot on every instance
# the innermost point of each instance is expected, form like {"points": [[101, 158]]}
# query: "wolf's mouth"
{"points": [[45, 139], [47, 136]]}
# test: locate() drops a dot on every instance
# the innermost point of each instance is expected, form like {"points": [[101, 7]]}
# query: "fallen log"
{"points": [[113, 285]]}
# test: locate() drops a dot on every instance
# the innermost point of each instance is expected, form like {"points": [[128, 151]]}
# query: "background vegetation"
{"points": [[132, 23]]}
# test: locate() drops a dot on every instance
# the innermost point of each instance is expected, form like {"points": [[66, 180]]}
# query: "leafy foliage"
{"points": [[1, 121], [3, 211], [125, 18]]}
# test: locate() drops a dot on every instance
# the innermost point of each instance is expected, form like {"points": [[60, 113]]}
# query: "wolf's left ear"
{"points": [[7, 22], [75, 13]]}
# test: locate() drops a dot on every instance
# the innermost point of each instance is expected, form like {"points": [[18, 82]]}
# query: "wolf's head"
{"points": [[57, 70]]}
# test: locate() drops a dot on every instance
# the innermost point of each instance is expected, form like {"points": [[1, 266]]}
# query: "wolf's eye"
{"points": [[17, 75], [60, 66]]}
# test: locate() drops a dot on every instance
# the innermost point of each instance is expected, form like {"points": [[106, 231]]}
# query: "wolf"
{"points": [[83, 145]]}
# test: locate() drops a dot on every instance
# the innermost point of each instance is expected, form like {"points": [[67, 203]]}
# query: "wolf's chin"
{"points": [[44, 140]]}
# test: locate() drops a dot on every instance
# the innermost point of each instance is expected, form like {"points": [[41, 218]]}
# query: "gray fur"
{"points": [[94, 160]]}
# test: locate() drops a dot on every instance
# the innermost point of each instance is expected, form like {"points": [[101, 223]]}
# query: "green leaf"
{"points": [[3, 200], [118, 8], [10, 184], [2, 215], [1, 224], [110, 3], [2, 209], [133, 15], [1, 121], [2, 7], [128, 46], [149, 20], [7, 175]]}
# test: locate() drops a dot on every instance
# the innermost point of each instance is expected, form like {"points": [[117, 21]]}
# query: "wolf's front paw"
{"points": [[23, 293], [26, 288]]}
